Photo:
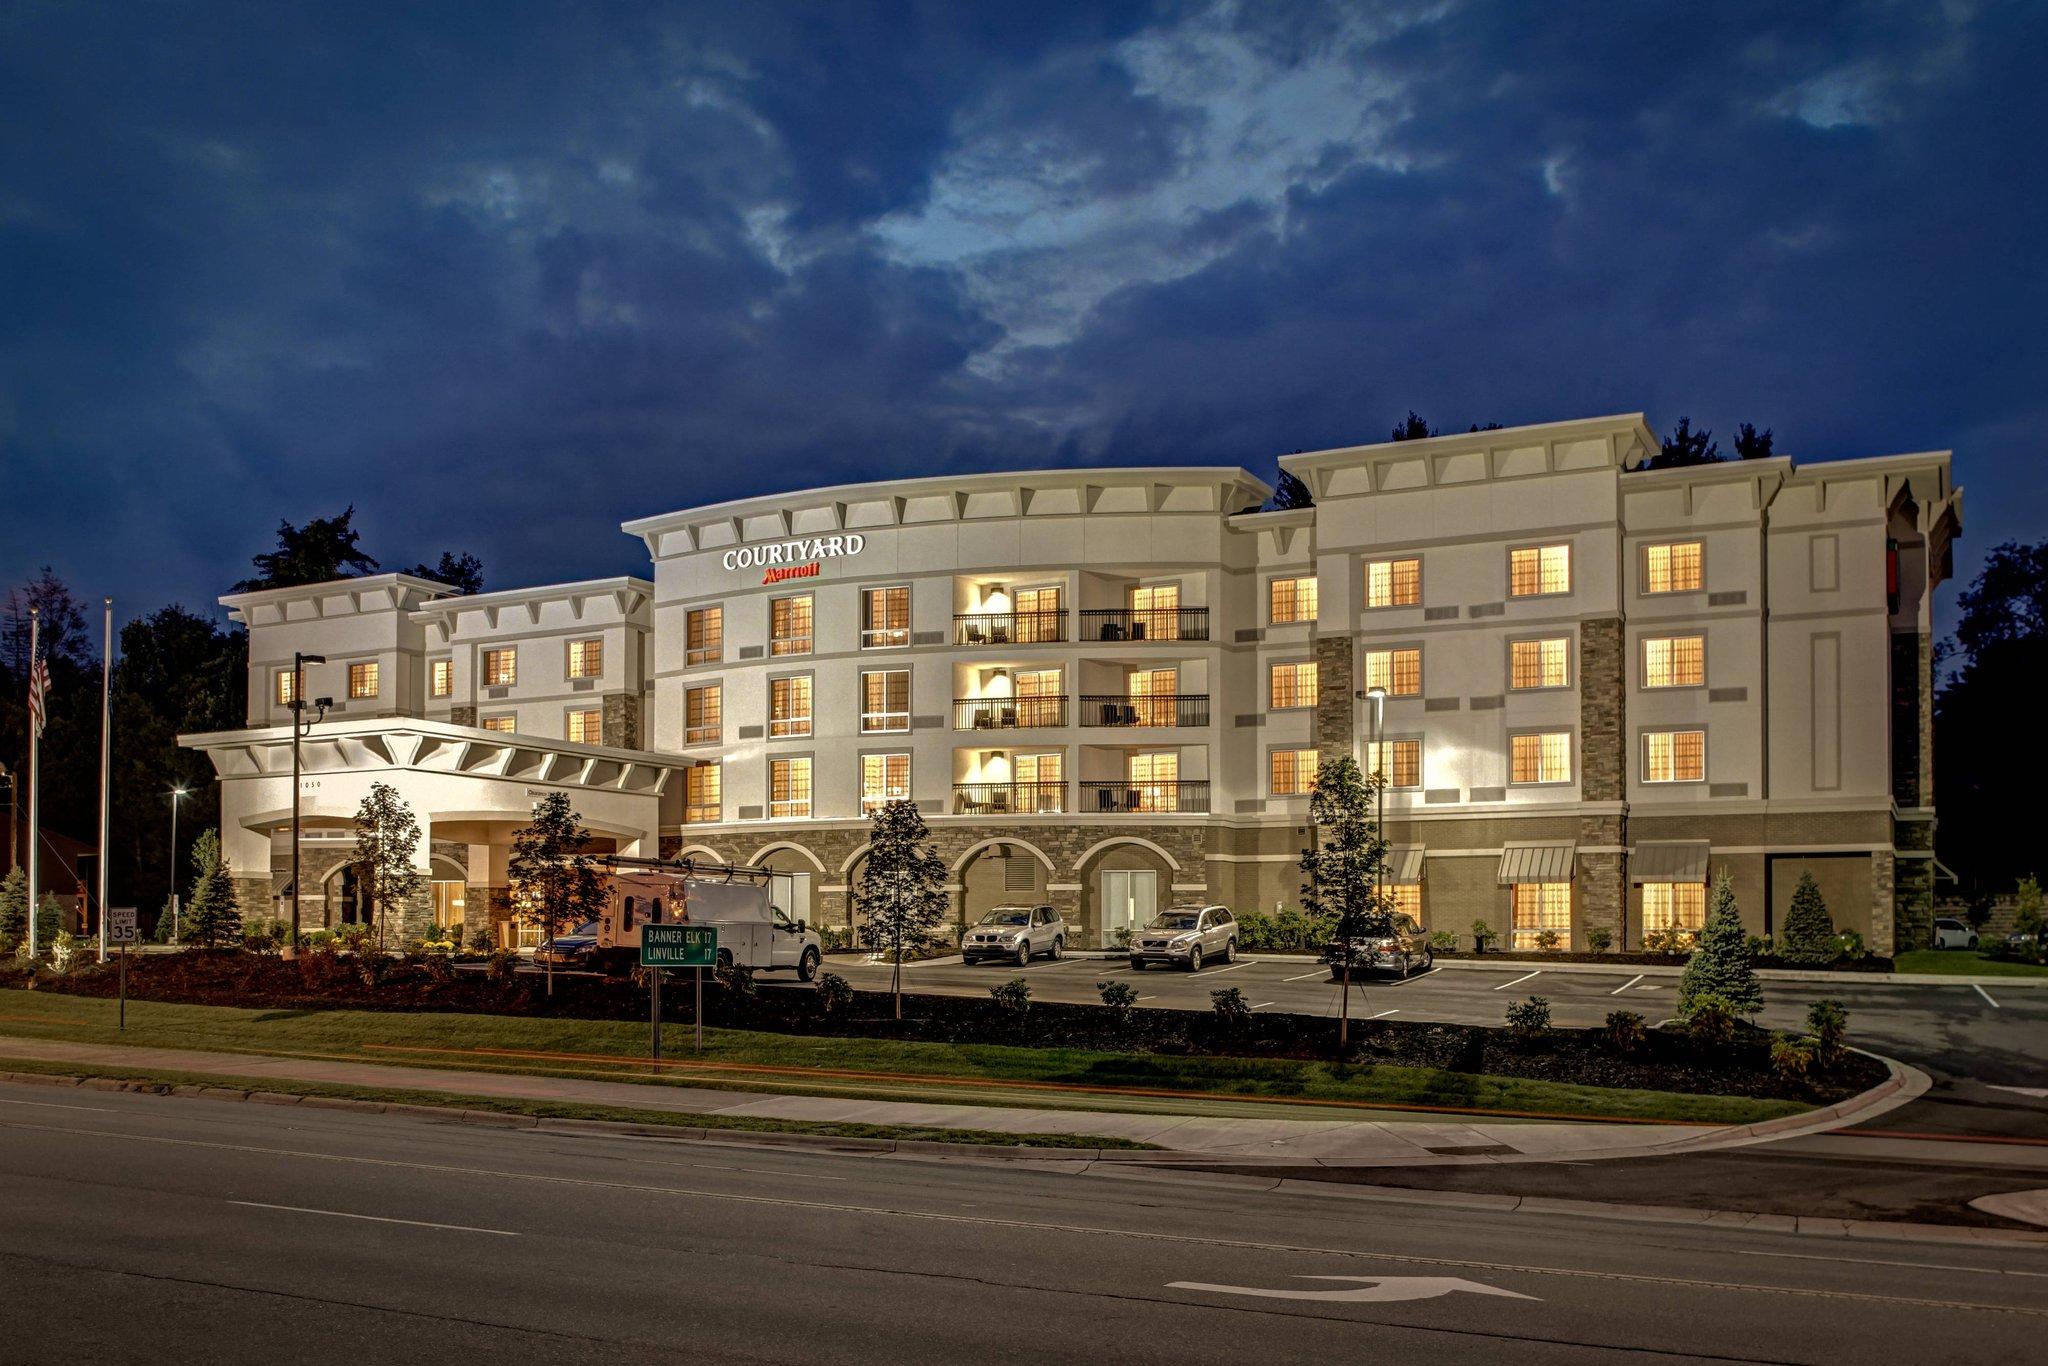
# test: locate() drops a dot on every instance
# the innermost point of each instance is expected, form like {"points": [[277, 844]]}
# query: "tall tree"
{"points": [[324, 548], [1686, 447], [555, 881], [216, 918], [902, 889], [1720, 966], [1412, 428], [1342, 872], [1751, 444], [387, 842], [62, 634], [464, 572], [1290, 492], [1484, 427]]}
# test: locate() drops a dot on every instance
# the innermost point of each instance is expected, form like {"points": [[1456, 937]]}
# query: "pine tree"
{"points": [[1719, 966], [387, 842], [902, 889], [1343, 873], [13, 909], [1290, 492], [1809, 931], [555, 882], [1412, 428], [215, 919], [1751, 444], [1686, 447]]}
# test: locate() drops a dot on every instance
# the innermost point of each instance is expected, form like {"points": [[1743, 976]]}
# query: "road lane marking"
{"points": [[1373, 1289], [1985, 994], [1505, 985], [1626, 985], [1320, 972], [374, 1218], [2037, 1092], [1384, 1013], [1262, 1005]]}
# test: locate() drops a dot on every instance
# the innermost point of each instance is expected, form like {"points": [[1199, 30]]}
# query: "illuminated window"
{"points": [[1672, 567], [703, 714], [1541, 906], [884, 778], [1155, 781], [586, 658], [1397, 671], [1157, 610], [1540, 758], [1039, 699], [1292, 600], [504, 725], [501, 667], [789, 706], [1294, 772], [789, 787], [586, 726], [441, 678], [1393, 583], [1039, 615], [1674, 906], [884, 618], [885, 700], [287, 687], [1674, 661], [1538, 569], [1291, 685], [1407, 899], [702, 795], [362, 680], [704, 635], [1540, 663], [1675, 756], [789, 625], [1399, 760]]}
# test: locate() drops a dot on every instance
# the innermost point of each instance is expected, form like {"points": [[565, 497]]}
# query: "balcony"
{"points": [[1129, 798], [1009, 799], [1158, 709], [1009, 628], [1010, 713], [1152, 623]]}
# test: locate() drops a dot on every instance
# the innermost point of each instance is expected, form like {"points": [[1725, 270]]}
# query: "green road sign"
{"points": [[678, 946]]}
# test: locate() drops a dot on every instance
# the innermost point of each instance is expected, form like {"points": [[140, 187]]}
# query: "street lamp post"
{"points": [[1378, 697], [7, 776], [177, 795], [300, 729]]}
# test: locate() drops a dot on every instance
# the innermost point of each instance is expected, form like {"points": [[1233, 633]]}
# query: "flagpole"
{"points": [[106, 758], [35, 788]]}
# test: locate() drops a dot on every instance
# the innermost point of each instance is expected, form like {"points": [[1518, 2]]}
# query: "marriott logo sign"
{"points": [[799, 559]]}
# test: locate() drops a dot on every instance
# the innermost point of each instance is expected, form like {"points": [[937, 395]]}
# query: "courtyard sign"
{"points": [[798, 559]]}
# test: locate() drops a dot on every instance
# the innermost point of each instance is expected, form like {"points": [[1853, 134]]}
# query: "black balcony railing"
{"points": [[1188, 795], [1010, 713], [1159, 709], [1009, 628], [1008, 799], [1146, 623]]}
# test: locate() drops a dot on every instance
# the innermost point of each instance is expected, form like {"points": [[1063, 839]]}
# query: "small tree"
{"points": [[215, 920], [2027, 906], [1809, 931], [555, 882], [902, 891], [13, 909], [387, 842], [1341, 874], [1719, 967]]}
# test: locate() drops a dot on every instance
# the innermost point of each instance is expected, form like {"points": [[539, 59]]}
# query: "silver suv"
{"points": [[1015, 933], [1187, 935]]}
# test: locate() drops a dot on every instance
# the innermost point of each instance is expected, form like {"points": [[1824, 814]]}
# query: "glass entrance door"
{"points": [[1130, 898]]}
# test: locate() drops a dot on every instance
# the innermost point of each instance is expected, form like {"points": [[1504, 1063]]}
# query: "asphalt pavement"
{"points": [[143, 1228]]}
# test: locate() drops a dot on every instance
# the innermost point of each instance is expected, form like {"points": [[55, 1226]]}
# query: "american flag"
{"points": [[38, 693]]}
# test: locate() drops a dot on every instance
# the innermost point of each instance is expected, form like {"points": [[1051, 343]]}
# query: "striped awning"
{"points": [[1536, 863], [1669, 861], [1404, 864]]}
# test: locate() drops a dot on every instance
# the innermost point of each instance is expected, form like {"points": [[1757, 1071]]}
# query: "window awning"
{"points": [[1536, 863], [1669, 861], [1404, 864]]}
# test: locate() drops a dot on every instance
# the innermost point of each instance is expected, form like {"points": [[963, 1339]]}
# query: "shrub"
{"points": [[835, 993], [1792, 1059], [500, 965], [1626, 1031], [1014, 996], [1443, 941], [1529, 1020], [2028, 908], [1122, 936], [1670, 939], [1287, 930], [1120, 997], [63, 952], [352, 938], [481, 940], [1849, 946], [1599, 939], [1547, 940], [736, 978], [262, 934], [1720, 965], [1711, 1021], [1809, 931], [1231, 1010], [1828, 1022], [1482, 935]]}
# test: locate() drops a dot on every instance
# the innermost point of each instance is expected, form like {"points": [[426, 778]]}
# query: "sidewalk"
{"points": [[1306, 1142]]}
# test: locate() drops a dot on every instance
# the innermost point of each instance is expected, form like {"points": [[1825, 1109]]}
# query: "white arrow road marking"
{"points": [[1375, 1288]]}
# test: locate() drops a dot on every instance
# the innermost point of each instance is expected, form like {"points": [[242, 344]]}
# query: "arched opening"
{"points": [[1000, 873], [794, 888], [1124, 883], [448, 890]]}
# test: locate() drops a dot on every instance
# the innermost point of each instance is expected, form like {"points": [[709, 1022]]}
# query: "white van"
{"points": [[752, 931]]}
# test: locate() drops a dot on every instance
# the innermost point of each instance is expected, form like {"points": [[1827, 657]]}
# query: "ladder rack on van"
{"points": [[702, 869]]}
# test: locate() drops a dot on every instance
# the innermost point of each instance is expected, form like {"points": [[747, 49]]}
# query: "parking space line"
{"points": [[1319, 972], [1404, 981], [1262, 1005], [1505, 985], [1626, 985], [1218, 972], [1986, 995], [1384, 1013]]}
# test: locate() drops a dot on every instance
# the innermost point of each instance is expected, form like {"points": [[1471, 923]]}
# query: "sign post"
{"points": [[678, 946], [121, 932]]}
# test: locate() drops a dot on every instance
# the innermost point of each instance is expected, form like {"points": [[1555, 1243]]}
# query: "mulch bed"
{"points": [[1666, 1061], [1639, 959]]}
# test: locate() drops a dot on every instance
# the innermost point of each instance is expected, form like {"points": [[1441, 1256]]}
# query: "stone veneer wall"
{"points": [[1601, 897], [1336, 718], [462, 715], [1912, 719], [621, 721]]}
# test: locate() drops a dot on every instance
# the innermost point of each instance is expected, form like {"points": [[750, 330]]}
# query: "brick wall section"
{"points": [[1600, 893], [1884, 872], [1336, 712], [1603, 711], [621, 720], [1912, 719]]}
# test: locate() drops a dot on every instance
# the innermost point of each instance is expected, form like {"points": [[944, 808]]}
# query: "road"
{"points": [[143, 1228]]}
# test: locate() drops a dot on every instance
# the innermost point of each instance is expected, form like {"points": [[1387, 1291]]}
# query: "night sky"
{"points": [[504, 275]]}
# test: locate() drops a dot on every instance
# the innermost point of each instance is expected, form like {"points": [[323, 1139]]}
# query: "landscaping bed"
{"points": [[1138, 1042], [1642, 958]]}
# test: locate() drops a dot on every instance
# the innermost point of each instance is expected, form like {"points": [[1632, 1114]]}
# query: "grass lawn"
{"points": [[1961, 963], [1048, 1078]]}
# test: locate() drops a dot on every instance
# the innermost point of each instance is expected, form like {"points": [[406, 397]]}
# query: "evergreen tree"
{"points": [[216, 916], [323, 549], [1809, 930], [1290, 492], [387, 842], [13, 909], [1720, 966], [902, 889], [1686, 447], [1751, 444], [1412, 428], [1341, 875], [465, 572], [555, 881]]}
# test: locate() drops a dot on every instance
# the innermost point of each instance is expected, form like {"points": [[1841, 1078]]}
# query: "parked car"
{"points": [[2027, 941], [1950, 933], [1404, 950], [576, 949], [1015, 933], [1187, 935]]}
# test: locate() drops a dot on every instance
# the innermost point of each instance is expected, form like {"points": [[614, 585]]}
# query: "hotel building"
{"points": [[1589, 687]]}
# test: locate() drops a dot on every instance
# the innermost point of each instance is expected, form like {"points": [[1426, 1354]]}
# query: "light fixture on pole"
{"points": [[177, 795], [300, 729]]}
